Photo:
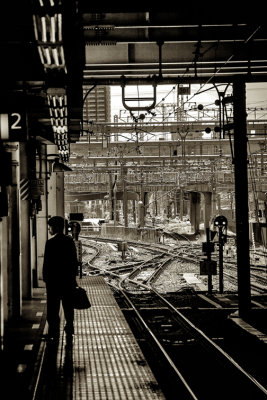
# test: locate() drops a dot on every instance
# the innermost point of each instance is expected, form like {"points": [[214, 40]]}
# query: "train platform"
{"points": [[103, 362]]}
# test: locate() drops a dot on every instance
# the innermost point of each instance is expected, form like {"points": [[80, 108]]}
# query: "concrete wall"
{"points": [[146, 235]]}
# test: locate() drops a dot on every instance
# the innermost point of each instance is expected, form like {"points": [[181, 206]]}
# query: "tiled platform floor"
{"points": [[104, 361], [23, 338]]}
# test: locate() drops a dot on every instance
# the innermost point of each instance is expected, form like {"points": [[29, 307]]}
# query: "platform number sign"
{"points": [[12, 127]]}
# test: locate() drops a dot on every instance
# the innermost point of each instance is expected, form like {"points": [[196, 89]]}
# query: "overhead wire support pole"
{"points": [[220, 260], [209, 259], [160, 44], [241, 196]]}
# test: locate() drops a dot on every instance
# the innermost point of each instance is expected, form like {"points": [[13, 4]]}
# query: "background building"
{"points": [[96, 108]]}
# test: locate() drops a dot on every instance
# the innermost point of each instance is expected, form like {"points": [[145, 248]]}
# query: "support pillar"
{"points": [[111, 199], [115, 206], [213, 204], [141, 208], [241, 196], [1, 291], [154, 204], [125, 206], [4, 263], [195, 211], [14, 272], [125, 199], [42, 213], [181, 204], [60, 194], [146, 203], [140, 214], [218, 201], [33, 251], [175, 205], [24, 220], [264, 229], [207, 209], [134, 211]]}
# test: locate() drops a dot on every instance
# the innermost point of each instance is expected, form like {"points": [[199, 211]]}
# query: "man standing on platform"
{"points": [[59, 274]]}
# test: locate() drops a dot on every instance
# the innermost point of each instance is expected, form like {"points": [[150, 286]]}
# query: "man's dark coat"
{"points": [[60, 262]]}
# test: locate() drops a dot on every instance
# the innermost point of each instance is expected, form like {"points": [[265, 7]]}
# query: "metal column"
{"points": [[181, 204], [141, 207], [134, 211], [213, 203], [41, 215], [14, 271], [60, 194], [1, 297], [207, 209], [24, 217], [111, 198], [124, 196], [241, 196], [195, 211]]}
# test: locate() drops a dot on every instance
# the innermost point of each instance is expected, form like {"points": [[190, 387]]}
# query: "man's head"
{"points": [[56, 225]]}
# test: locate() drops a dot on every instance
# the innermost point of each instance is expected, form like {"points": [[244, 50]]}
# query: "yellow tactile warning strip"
{"points": [[107, 361]]}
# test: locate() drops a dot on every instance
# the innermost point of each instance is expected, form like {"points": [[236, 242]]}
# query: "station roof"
{"points": [[55, 47]]}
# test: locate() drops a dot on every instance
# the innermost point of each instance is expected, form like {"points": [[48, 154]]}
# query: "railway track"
{"points": [[185, 253], [185, 352], [184, 358]]}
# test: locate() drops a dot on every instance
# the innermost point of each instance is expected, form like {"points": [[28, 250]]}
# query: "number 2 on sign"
{"points": [[16, 124]]}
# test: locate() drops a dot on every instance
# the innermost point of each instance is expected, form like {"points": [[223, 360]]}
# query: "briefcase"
{"points": [[80, 299]]}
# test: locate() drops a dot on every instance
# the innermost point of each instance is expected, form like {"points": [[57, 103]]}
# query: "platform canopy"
{"points": [[63, 45]]}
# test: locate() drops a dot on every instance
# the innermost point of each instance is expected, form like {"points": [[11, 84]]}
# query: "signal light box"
{"points": [[76, 216], [208, 267]]}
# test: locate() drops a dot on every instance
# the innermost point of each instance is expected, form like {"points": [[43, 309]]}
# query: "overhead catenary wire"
{"points": [[246, 41]]}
